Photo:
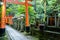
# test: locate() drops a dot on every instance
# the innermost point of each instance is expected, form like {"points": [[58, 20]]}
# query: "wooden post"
{"points": [[2, 28], [10, 20], [27, 16]]}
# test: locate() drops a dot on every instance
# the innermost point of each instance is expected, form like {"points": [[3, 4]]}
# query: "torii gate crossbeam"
{"points": [[16, 2]]}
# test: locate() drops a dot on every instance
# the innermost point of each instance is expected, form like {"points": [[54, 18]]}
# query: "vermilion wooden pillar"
{"points": [[27, 17], [6, 20], [2, 28], [10, 20]]}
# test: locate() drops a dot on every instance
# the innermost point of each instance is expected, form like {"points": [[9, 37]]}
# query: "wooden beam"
{"points": [[27, 15], [17, 2], [3, 14]]}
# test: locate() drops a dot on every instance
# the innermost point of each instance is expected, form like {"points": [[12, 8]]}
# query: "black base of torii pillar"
{"points": [[2, 27], [27, 29], [2, 32]]}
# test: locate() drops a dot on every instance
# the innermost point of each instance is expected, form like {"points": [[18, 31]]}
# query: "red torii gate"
{"points": [[17, 2], [2, 28], [22, 3]]}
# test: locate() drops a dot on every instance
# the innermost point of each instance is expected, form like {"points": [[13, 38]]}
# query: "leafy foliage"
{"points": [[20, 9]]}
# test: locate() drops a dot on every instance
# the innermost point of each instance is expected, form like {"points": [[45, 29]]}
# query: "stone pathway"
{"points": [[15, 35]]}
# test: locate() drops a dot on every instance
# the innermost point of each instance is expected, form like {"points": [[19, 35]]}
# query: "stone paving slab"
{"points": [[15, 35]]}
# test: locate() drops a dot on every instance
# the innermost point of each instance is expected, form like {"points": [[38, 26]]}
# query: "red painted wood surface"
{"points": [[17, 2], [27, 15], [6, 20], [3, 14], [9, 20]]}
